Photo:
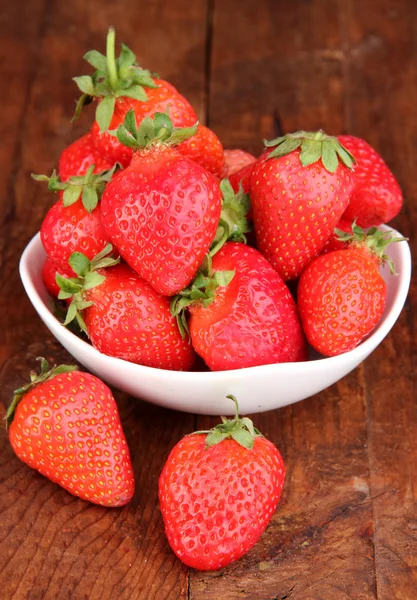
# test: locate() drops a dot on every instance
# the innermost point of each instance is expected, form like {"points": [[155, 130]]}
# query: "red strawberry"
{"points": [[162, 211], [237, 159], [242, 313], [121, 85], [341, 295], [73, 224], [206, 149], [218, 491], [49, 271], [66, 426], [78, 157], [376, 197], [300, 188], [334, 242], [123, 315], [241, 178]]}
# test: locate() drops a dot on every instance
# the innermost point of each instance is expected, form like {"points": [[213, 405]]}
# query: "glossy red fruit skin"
{"points": [[130, 320], [341, 298], [377, 196], [295, 209], [79, 156], [49, 271], [242, 178], [236, 159], [162, 214], [206, 149], [333, 243], [69, 430], [252, 321], [181, 114], [216, 503], [68, 229]]}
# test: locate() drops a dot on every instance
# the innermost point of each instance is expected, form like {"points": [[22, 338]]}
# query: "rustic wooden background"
{"points": [[346, 526]]}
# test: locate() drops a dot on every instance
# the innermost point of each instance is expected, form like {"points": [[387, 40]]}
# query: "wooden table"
{"points": [[346, 526]]}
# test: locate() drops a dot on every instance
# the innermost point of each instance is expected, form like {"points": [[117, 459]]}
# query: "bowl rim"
{"points": [[356, 355]]}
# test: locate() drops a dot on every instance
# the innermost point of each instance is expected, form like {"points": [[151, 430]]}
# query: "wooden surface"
{"points": [[346, 526]]}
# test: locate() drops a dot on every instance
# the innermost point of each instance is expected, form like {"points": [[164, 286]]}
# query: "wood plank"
{"points": [[383, 79], [320, 542], [53, 546]]}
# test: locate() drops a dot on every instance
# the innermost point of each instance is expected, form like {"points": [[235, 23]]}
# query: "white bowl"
{"points": [[257, 388]]}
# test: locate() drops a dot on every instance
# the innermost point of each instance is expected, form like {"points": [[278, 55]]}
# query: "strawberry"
{"points": [[334, 242], [121, 85], [73, 223], [376, 197], [206, 149], [78, 157], [241, 178], [300, 188], [341, 295], [123, 315], [218, 491], [162, 211], [242, 313], [237, 159], [49, 271], [65, 424]]}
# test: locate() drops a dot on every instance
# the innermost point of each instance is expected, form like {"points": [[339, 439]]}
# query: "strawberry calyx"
{"points": [[374, 240], [88, 278], [152, 131], [314, 146], [114, 78], [46, 374], [88, 187], [233, 223], [240, 429]]}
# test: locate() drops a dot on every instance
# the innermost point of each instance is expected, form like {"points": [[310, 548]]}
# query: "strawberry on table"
{"points": [[73, 224], [119, 85], [77, 158], [123, 315], [218, 491], [161, 212], [376, 196], [241, 312], [341, 294], [65, 424], [236, 159], [300, 187]]}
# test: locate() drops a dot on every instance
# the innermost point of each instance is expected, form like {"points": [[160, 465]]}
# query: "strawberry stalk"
{"points": [[374, 239], [114, 78], [233, 223], [239, 429], [89, 187], [314, 146], [35, 379], [88, 278], [154, 130]]}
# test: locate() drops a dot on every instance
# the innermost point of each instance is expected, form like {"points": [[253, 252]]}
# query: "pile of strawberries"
{"points": [[150, 243], [163, 246]]}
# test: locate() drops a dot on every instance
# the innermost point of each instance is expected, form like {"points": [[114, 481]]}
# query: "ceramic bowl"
{"points": [[257, 388]]}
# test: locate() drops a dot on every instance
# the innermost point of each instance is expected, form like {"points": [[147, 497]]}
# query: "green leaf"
{"points": [[244, 438], [287, 146], [67, 285], [89, 198], [79, 263], [82, 101], [92, 280], [223, 278], [135, 91], [346, 157], [71, 194], [310, 152], [329, 158], [162, 125], [104, 112], [71, 314], [102, 254], [85, 84], [130, 122], [246, 422], [226, 188], [126, 138], [126, 59], [96, 60], [81, 323], [181, 134], [215, 437]]}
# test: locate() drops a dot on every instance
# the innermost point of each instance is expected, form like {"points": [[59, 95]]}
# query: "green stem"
{"points": [[111, 58], [223, 239]]}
